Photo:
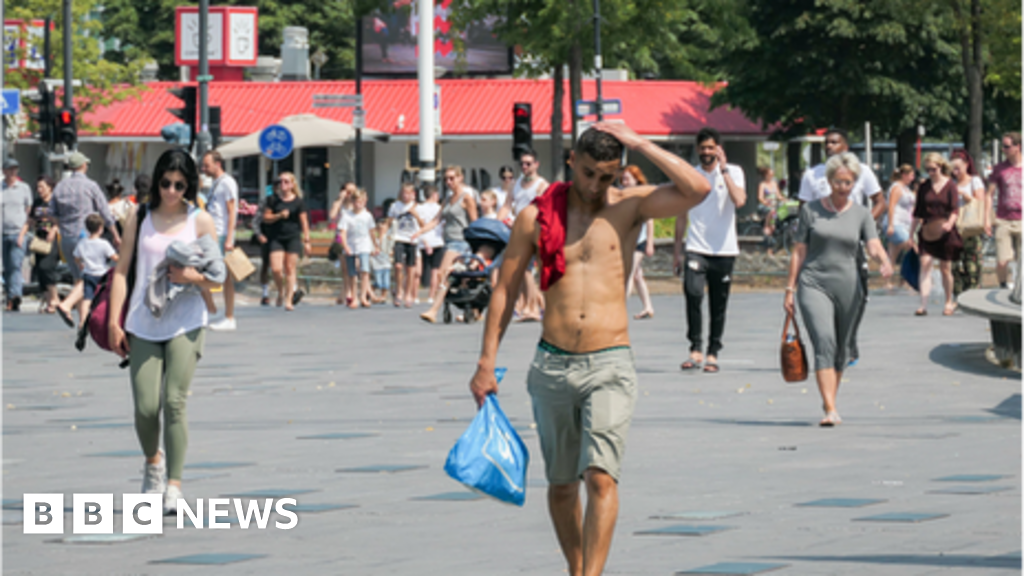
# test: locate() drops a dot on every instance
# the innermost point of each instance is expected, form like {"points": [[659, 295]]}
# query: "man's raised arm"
{"points": [[688, 187], [521, 248]]}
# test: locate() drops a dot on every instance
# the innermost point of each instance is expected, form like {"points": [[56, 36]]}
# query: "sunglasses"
{"points": [[178, 185]]}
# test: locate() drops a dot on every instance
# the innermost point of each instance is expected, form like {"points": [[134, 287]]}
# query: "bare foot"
{"points": [[428, 317], [644, 314]]}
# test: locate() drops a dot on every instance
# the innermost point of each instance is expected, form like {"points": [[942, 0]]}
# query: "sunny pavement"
{"points": [[922, 404]]}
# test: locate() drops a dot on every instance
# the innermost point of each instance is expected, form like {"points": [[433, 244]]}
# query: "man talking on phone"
{"points": [[711, 249]]}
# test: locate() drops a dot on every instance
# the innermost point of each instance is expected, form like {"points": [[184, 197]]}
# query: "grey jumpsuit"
{"points": [[830, 293]]}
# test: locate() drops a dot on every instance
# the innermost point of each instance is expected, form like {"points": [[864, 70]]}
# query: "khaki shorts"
{"points": [[1007, 239], [583, 405]]}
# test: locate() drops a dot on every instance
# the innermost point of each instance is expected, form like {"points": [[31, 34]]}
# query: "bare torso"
{"points": [[586, 309]]}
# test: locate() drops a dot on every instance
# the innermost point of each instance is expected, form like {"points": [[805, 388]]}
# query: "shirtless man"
{"points": [[582, 381]]}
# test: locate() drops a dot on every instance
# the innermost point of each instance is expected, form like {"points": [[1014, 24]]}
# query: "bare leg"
{"points": [[946, 268], [446, 267], [73, 297], [291, 265], [828, 386], [534, 299], [894, 251], [229, 297], [925, 281], [211, 306], [399, 284], [1002, 271], [367, 293], [599, 523], [641, 287], [567, 515], [52, 298], [277, 269]]}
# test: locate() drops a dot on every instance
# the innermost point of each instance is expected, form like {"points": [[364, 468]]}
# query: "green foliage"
{"points": [[145, 29], [815, 63], [1002, 22], [103, 81], [664, 228]]}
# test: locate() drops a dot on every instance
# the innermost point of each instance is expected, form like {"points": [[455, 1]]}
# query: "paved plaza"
{"points": [[923, 477]]}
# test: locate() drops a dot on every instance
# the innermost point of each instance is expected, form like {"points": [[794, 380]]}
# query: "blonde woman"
{"points": [[288, 234], [935, 213], [824, 276]]}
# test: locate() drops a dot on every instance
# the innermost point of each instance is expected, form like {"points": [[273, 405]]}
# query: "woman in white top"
{"points": [[633, 176], [901, 213], [967, 271], [162, 352]]}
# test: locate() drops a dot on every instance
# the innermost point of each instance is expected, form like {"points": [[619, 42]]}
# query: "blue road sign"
{"points": [[12, 101], [276, 142]]}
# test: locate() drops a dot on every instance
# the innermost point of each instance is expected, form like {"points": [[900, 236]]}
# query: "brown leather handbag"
{"points": [[793, 356]]}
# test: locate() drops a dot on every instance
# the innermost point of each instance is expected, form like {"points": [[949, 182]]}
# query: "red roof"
{"points": [[468, 107]]}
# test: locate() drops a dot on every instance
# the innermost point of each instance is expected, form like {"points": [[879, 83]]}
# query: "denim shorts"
{"points": [[900, 234], [382, 279], [457, 246], [90, 283], [364, 264]]}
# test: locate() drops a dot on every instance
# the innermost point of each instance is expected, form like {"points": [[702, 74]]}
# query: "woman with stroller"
{"points": [[458, 211]]}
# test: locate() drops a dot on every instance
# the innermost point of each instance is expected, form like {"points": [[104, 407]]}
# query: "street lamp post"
{"points": [[598, 64]]}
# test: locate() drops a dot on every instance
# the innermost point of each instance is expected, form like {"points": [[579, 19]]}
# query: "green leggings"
{"points": [[171, 363]]}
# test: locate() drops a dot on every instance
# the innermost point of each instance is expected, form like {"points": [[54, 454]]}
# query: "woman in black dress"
{"points": [[45, 228], [936, 210], [287, 225]]}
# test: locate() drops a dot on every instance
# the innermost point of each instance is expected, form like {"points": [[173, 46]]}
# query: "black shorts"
{"points": [[433, 261], [291, 245], [642, 247], [405, 254]]}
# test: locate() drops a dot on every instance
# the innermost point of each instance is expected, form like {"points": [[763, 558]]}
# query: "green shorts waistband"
{"points": [[552, 349]]}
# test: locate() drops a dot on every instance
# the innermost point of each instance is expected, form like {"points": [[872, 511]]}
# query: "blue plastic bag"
{"points": [[490, 457]]}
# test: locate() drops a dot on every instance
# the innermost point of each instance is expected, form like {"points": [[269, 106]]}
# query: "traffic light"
{"points": [[187, 113], [67, 128], [215, 126], [44, 116], [522, 129]]}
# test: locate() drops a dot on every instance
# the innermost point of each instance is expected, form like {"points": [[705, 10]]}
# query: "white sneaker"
{"points": [[225, 325], [153, 477], [171, 500]]}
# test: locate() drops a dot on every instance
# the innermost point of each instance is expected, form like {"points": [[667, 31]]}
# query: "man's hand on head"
{"points": [[624, 134]]}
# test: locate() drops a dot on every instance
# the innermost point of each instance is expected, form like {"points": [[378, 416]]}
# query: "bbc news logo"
{"points": [[143, 513]]}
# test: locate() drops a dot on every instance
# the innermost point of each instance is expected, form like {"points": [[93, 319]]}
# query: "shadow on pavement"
{"points": [[1009, 408], [789, 423], [970, 358], [944, 560]]}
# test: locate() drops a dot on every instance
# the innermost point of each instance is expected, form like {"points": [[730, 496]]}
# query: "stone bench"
{"points": [[1004, 318]]}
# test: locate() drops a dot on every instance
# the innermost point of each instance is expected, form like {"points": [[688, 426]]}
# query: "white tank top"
{"points": [[522, 196], [187, 312]]}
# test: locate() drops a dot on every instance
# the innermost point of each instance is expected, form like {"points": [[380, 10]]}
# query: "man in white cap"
{"points": [[74, 198], [16, 204]]}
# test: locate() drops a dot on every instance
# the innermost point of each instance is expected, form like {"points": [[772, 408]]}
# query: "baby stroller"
{"points": [[469, 282]]}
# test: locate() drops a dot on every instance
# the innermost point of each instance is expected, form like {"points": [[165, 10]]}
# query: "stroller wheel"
{"points": [[469, 315], [447, 314]]}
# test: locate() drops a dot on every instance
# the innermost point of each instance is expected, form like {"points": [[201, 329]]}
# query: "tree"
{"points": [[1001, 20], [814, 63], [145, 29], [103, 81]]}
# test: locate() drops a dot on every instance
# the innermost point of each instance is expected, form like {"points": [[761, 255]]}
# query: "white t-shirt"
{"points": [[434, 238], [358, 227], [712, 229], [405, 223], [814, 186], [224, 189], [523, 195], [975, 184], [95, 254]]}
